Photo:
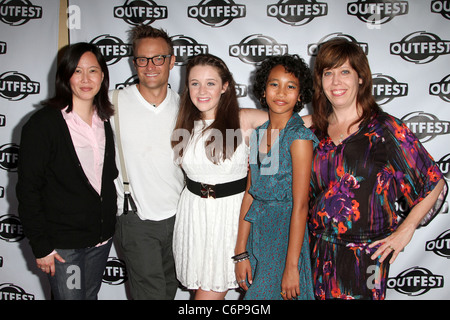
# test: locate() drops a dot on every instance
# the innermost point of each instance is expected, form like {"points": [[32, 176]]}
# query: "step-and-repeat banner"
{"points": [[407, 44]]}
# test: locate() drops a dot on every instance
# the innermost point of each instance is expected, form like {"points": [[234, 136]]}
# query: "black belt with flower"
{"points": [[219, 190]]}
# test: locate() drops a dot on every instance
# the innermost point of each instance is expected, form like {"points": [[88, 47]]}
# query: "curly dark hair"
{"points": [[293, 64]]}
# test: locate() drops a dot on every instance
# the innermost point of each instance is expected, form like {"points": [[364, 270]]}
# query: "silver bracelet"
{"points": [[240, 260]]}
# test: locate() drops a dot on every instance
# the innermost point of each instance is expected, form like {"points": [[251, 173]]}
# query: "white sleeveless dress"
{"points": [[206, 229]]}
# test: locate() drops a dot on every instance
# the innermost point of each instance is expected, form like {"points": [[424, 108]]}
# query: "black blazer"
{"points": [[58, 207]]}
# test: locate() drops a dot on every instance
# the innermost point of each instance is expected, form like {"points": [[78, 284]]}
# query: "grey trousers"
{"points": [[147, 249]]}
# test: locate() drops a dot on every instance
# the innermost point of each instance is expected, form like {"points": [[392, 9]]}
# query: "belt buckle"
{"points": [[207, 191]]}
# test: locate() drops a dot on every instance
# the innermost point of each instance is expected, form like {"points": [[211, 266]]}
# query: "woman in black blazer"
{"points": [[65, 189]]}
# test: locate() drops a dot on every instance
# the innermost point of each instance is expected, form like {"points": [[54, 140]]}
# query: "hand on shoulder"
{"points": [[307, 119]]}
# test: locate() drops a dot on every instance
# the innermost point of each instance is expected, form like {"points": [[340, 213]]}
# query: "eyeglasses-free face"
{"points": [[156, 60], [86, 79]]}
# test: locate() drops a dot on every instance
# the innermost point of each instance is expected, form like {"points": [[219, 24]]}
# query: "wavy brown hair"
{"points": [[332, 54], [227, 112]]}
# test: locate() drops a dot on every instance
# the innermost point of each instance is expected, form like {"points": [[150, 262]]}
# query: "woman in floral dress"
{"points": [[365, 161]]}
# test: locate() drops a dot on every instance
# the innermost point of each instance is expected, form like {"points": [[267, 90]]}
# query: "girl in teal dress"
{"points": [[272, 252]]}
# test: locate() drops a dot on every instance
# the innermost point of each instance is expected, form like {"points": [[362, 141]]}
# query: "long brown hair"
{"points": [[227, 112], [332, 54]]}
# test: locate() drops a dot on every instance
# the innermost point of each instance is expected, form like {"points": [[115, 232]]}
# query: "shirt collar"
{"points": [[73, 116]]}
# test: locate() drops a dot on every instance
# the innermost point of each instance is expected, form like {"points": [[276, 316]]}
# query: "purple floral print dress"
{"points": [[354, 188]]}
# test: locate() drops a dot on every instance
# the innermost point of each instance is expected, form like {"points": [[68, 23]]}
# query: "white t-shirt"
{"points": [[155, 180]]}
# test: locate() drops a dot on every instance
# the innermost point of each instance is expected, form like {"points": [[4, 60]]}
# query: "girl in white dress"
{"points": [[210, 143]]}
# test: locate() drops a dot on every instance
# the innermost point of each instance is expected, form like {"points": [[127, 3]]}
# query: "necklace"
{"points": [[338, 127], [269, 136]]}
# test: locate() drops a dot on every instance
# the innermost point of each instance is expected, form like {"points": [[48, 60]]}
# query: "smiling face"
{"points": [[153, 77], [86, 79], [205, 89], [341, 85], [282, 90]]}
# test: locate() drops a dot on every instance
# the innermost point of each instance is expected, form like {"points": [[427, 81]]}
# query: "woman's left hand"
{"points": [[403, 235], [394, 243]]}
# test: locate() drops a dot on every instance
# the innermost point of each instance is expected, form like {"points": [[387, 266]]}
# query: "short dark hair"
{"points": [[293, 64], [66, 67], [145, 31]]}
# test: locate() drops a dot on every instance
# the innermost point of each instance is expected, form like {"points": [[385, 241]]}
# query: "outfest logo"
{"points": [[137, 12], [415, 281], [297, 12], [313, 48], [134, 79], [9, 291], [386, 88], [15, 86], [185, 47], [377, 11], [112, 48], [241, 90], [9, 157], [441, 88], [216, 13], [426, 126], [255, 48], [420, 47], [11, 229], [444, 165], [18, 12], [115, 272], [3, 47], [442, 7]]}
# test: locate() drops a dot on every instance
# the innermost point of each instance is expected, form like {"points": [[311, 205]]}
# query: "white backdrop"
{"points": [[407, 44]]}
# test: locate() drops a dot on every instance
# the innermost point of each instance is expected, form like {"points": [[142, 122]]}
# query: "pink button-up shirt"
{"points": [[89, 143]]}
